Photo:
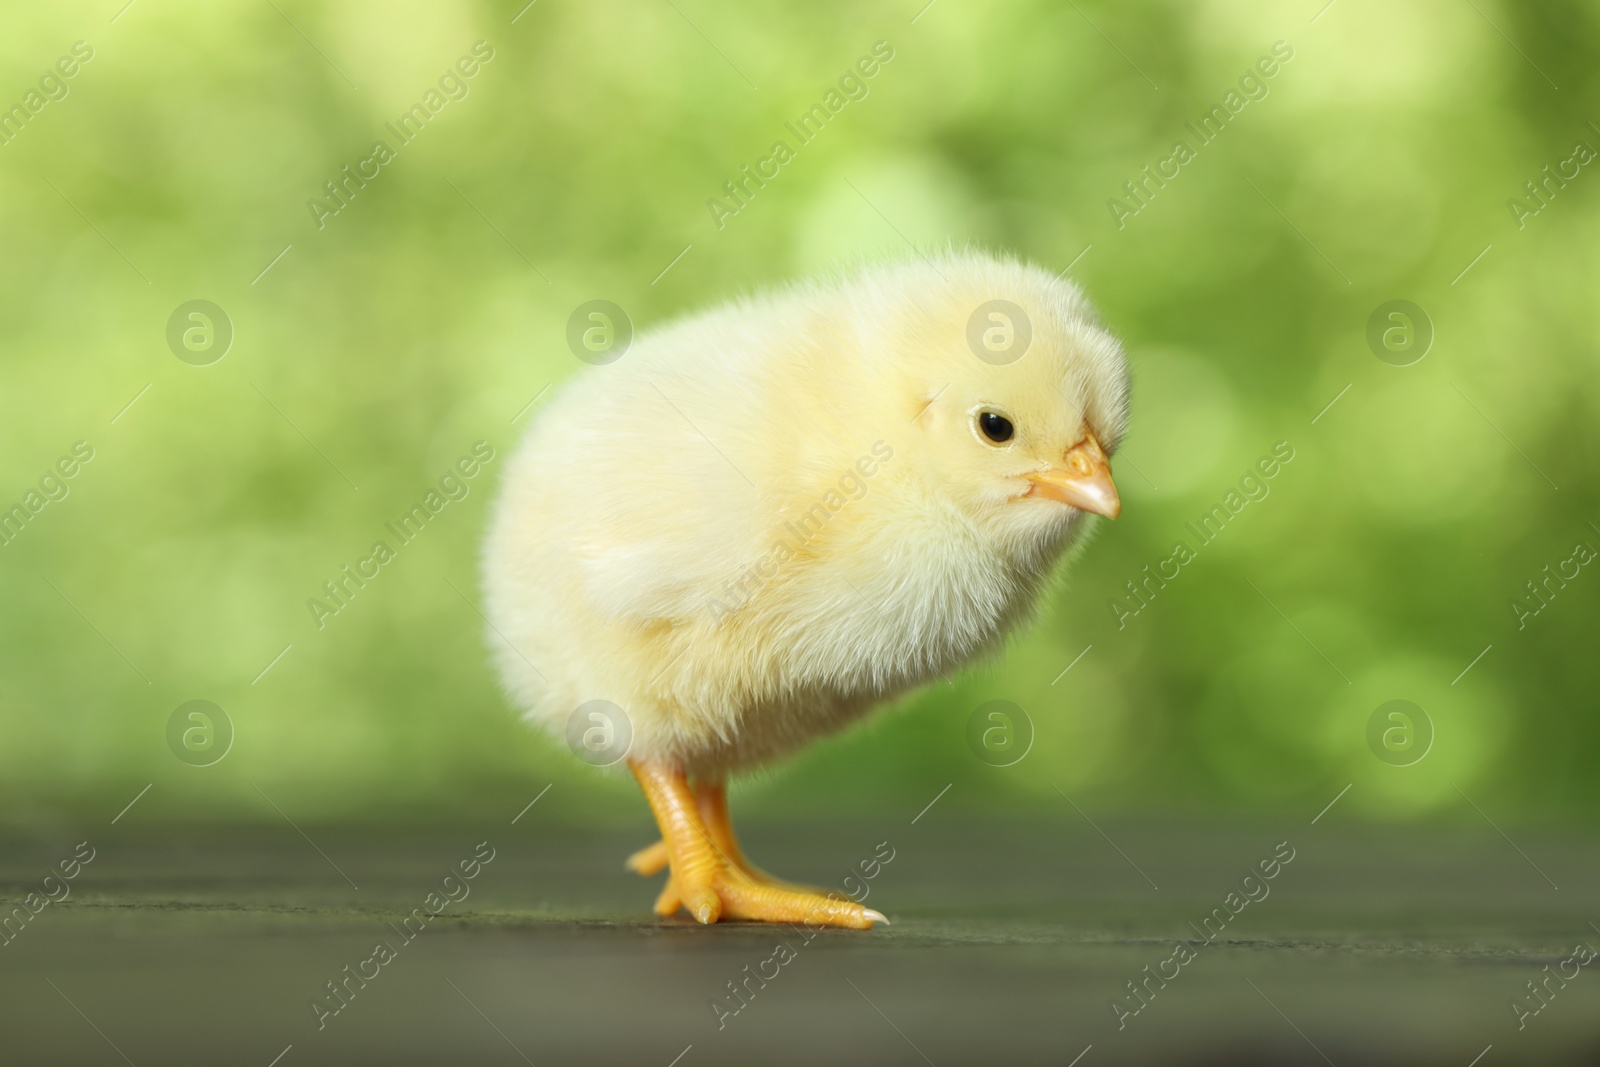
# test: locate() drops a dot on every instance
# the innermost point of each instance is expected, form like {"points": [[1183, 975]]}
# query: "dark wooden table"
{"points": [[1010, 945]]}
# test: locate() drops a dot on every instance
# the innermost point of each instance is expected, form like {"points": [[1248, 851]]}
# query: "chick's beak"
{"points": [[1083, 480]]}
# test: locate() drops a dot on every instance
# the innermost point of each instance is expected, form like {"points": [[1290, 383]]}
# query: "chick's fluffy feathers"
{"points": [[770, 517]]}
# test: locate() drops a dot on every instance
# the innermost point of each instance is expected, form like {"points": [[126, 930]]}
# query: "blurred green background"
{"points": [[426, 315]]}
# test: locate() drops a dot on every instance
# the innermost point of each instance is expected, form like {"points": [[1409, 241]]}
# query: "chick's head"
{"points": [[1019, 398]]}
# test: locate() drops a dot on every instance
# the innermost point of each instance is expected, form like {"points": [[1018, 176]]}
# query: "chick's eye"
{"points": [[996, 428]]}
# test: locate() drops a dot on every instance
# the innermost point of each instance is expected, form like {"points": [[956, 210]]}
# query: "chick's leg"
{"points": [[708, 882], [692, 857], [711, 796]]}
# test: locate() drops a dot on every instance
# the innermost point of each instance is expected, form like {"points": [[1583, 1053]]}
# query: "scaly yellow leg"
{"points": [[709, 875], [712, 798]]}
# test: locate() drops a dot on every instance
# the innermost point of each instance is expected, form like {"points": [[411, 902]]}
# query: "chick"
{"points": [[772, 517]]}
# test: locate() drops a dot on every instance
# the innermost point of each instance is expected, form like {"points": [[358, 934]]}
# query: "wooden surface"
{"points": [[1009, 944]]}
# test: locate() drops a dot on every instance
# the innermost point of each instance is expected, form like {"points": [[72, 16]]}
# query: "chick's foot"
{"points": [[709, 874]]}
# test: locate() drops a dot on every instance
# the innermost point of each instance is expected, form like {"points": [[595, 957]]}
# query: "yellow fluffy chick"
{"points": [[765, 520]]}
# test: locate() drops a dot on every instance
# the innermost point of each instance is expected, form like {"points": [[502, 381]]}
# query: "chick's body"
{"points": [[769, 518]]}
